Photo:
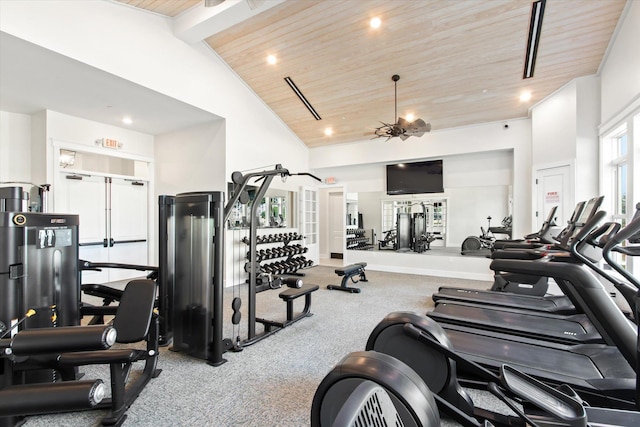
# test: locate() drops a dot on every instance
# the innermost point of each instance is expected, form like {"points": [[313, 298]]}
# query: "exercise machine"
{"points": [[603, 374], [542, 236], [576, 328], [252, 266], [425, 348], [63, 349], [192, 254], [479, 245], [529, 291]]}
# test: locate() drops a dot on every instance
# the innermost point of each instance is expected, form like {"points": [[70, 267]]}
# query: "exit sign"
{"points": [[110, 143]]}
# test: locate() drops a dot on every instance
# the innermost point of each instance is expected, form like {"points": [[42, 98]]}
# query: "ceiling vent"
{"points": [[306, 103]]}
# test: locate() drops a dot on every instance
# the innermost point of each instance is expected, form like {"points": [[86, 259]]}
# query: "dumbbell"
{"points": [[268, 268], [292, 282]]}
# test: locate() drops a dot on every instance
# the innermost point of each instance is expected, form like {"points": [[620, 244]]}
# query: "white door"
{"points": [[113, 222], [309, 222], [553, 187], [84, 195], [337, 221], [128, 226]]}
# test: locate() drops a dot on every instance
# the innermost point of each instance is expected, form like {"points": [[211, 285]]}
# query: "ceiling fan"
{"points": [[402, 128]]}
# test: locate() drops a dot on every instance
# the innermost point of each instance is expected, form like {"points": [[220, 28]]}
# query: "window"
{"points": [[616, 173]]}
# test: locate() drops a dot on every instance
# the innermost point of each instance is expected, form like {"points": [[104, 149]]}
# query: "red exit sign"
{"points": [[110, 143]]}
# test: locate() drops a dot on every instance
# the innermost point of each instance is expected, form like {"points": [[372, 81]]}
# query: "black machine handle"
{"points": [[631, 229], [113, 242], [88, 265], [102, 243]]}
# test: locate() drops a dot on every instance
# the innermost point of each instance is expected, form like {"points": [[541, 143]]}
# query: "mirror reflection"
{"points": [[274, 211]]}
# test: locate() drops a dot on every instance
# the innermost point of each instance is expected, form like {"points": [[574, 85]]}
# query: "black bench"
{"points": [[349, 272], [291, 294]]}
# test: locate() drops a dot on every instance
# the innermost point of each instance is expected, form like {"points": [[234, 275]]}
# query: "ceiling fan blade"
{"points": [[419, 123], [419, 126], [403, 123], [404, 136]]}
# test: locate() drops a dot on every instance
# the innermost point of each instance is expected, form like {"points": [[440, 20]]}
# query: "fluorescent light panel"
{"points": [[302, 98], [537, 11]]}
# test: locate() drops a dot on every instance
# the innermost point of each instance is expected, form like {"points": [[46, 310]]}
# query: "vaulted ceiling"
{"points": [[460, 61]]}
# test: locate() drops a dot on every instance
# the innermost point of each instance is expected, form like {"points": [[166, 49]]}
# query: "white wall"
{"points": [[15, 147], [620, 71], [564, 130], [82, 134], [191, 159], [587, 119], [145, 51], [553, 130], [484, 155]]}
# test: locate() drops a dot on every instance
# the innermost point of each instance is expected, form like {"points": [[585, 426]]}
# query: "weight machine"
{"points": [[191, 274]]}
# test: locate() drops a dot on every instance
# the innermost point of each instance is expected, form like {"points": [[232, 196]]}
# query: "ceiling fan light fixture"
{"points": [[212, 3], [403, 128]]}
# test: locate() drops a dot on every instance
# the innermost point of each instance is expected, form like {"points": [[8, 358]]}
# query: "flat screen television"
{"points": [[415, 178]]}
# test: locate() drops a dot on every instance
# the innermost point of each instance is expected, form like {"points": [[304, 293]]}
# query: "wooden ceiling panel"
{"points": [[460, 62], [163, 7]]}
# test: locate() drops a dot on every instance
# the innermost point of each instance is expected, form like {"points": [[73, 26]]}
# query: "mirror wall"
{"points": [[276, 210]]}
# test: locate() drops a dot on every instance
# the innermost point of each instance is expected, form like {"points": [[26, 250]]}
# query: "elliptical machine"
{"points": [[479, 245]]}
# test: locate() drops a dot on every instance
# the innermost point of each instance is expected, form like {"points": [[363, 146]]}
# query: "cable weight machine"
{"points": [[241, 181], [191, 275]]}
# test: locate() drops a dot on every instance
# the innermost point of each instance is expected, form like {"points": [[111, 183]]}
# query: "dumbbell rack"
{"points": [[289, 257], [356, 239]]}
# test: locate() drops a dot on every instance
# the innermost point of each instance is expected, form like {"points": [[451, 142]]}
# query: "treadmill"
{"points": [[572, 329], [559, 304], [604, 374], [542, 236]]}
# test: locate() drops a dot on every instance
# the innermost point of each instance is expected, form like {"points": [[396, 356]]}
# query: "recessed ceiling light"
{"points": [[127, 120], [271, 59], [375, 22], [410, 117], [328, 131], [525, 96]]}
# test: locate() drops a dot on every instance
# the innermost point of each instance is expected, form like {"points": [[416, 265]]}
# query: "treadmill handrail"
{"points": [[632, 228]]}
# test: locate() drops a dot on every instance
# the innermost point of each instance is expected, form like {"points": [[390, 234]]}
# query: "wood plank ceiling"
{"points": [[460, 62]]}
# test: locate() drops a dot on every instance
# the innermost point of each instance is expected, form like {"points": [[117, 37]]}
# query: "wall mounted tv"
{"points": [[415, 178]]}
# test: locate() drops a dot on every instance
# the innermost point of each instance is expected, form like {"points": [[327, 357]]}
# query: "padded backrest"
{"points": [[135, 310]]}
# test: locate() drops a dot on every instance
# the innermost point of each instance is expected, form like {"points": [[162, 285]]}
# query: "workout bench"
{"points": [[349, 272], [292, 293], [289, 296]]}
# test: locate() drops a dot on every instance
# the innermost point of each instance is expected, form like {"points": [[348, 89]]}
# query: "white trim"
{"points": [[623, 115], [74, 146], [104, 174]]}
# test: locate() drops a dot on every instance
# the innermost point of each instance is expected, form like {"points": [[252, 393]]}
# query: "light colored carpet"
{"points": [[272, 382]]}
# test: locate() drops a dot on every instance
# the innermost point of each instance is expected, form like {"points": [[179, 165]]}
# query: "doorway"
{"points": [[553, 188], [336, 225]]}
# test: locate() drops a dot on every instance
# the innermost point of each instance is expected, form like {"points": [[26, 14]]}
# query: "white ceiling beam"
{"points": [[198, 23]]}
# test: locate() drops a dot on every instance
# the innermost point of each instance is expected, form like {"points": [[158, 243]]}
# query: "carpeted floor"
{"points": [[272, 382]]}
